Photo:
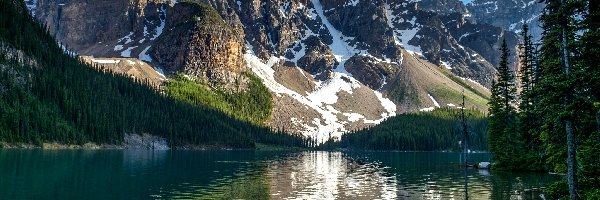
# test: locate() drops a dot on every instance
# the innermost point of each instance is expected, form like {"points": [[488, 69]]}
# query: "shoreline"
{"points": [[94, 146]]}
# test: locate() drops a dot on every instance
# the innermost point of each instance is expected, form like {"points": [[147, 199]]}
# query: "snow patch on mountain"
{"points": [[446, 65], [352, 3], [321, 99], [429, 109], [402, 37], [127, 38], [325, 89], [435, 103], [144, 55], [466, 1], [160, 72], [341, 49], [127, 52], [118, 48], [161, 27]]}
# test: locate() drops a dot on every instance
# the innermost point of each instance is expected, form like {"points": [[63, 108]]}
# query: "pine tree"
{"points": [[526, 71], [591, 50], [586, 96], [502, 129], [566, 88], [528, 119], [571, 140]]}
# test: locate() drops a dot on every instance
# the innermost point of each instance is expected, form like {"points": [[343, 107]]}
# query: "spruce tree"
{"points": [[528, 120], [502, 128], [565, 89], [568, 118], [526, 71], [586, 74]]}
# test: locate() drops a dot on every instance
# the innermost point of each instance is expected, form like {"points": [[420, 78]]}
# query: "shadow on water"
{"points": [[118, 174]]}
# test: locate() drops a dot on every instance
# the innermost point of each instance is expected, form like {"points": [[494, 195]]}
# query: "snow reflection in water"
{"points": [[329, 175]]}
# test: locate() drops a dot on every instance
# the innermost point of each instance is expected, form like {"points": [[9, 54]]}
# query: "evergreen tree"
{"points": [[503, 135], [526, 73], [528, 119], [586, 72], [567, 90], [558, 87]]}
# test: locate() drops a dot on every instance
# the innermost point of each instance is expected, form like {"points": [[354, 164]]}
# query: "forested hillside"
{"points": [[47, 95], [439, 130], [252, 105]]}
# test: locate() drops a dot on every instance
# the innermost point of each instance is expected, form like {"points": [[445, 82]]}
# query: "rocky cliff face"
{"points": [[332, 65], [96, 27], [509, 15], [198, 43]]}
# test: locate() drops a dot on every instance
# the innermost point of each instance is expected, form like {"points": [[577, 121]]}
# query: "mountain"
{"points": [[509, 15], [48, 95], [331, 66]]}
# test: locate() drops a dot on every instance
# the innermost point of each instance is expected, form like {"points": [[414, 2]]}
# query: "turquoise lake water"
{"points": [[129, 174]]}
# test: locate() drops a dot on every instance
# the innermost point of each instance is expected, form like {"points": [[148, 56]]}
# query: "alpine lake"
{"points": [[175, 174]]}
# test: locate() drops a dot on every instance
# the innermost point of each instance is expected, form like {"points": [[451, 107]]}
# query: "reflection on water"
{"points": [[77, 174], [324, 175]]}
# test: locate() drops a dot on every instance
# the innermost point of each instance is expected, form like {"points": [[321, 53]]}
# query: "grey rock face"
{"points": [[435, 39], [318, 57], [443, 7], [369, 71], [291, 29], [509, 15], [484, 39], [366, 23], [93, 27]]}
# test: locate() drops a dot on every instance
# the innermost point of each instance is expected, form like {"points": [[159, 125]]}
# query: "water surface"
{"points": [[124, 174]]}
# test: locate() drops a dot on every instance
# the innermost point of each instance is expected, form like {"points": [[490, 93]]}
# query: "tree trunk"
{"points": [[571, 160], [571, 145]]}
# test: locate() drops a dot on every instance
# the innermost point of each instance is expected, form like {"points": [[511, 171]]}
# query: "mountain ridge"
{"points": [[315, 56]]}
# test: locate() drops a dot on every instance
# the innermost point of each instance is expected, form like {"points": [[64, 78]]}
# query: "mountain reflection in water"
{"points": [[124, 174]]}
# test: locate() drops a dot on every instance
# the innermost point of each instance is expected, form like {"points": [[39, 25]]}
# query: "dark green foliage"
{"points": [[528, 118], [505, 141], [401, 91], [253, 105], [514, 139], [63, 100], [560, 87], [526, 73], [565, 98], [438, 130]]}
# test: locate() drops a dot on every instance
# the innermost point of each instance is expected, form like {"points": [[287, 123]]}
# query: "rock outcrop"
{"points": [[198, 43]]}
